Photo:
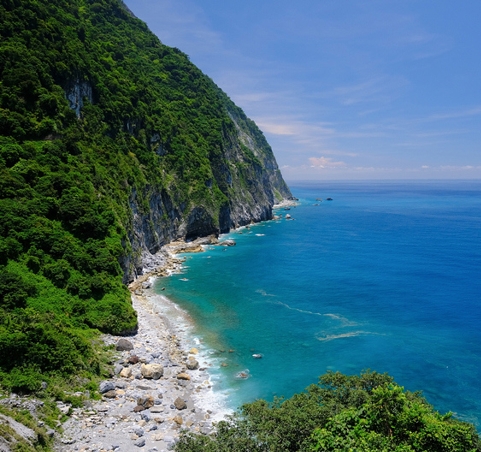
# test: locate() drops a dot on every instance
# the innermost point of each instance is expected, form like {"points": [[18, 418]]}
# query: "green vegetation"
{"points": [[366, 413], [97, 119]]}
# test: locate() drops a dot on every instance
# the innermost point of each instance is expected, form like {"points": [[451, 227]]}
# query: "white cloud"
{"points": [[325, 162]]}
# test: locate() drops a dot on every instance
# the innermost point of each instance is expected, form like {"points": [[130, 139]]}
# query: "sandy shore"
{"points": [[137, 411]]}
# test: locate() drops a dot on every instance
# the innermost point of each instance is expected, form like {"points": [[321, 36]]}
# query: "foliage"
{"points": [[364, 413], [96, 116]]}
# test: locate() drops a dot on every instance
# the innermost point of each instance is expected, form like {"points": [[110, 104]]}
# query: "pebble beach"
{"points": [[161, 383]]}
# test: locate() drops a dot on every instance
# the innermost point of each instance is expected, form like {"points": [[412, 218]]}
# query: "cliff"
{"points": [[111, 145]]}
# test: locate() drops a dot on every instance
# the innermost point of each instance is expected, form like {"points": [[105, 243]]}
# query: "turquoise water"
{"points": [[387, 276]]}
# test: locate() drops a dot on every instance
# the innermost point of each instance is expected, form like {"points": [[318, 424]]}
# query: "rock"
{"points": [[139, 431], [133, 359], [106, 386], [145, 416], [183, 376], [146, 402], [118, 368], [140, 442], [139, 408], [193, 351], [192, 364], [228, 243], [126, 372], [110, 394], [123, 345], [178, 420], [21, 430], [153, 371], [180, 404]]}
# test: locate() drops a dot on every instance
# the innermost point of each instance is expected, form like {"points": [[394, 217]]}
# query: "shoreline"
{"points": [[136, 410]]}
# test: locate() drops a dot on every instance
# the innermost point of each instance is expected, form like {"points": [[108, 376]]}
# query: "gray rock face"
{"points": [[7, 443], [245, 171]]}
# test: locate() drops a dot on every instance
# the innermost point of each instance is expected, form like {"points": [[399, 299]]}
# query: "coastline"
{"points": [[136, 410]]}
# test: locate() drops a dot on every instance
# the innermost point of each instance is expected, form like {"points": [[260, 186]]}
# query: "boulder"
{"points": [[110, 394], [153, 371], [183, 376], [126, 372], [180, 403], [192, 364], [133, 359], [106, 386], [228, 242], [140, 442], [123, 345], [178, 420], [145, 402]]}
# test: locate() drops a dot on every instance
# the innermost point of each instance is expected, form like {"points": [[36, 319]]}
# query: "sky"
{"points": [[343, 90]]}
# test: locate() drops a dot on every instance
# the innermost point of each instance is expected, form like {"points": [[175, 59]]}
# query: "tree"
{"points": [[362, 413]]}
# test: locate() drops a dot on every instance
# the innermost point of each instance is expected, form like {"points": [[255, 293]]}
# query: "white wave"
{"points": [[264, 293], [340, 318], [332, 337], [260, 235]]}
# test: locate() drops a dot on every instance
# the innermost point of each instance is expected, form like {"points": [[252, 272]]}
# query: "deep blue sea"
{"points": [[386, 276]]}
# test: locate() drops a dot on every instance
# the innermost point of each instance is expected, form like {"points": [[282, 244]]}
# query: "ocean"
{"points": [[386, 276]]}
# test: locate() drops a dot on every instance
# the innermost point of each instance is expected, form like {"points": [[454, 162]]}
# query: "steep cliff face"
{"points": [[247, 174]]}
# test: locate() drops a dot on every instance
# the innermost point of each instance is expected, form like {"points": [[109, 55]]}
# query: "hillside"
{"points": [[111, 145]]}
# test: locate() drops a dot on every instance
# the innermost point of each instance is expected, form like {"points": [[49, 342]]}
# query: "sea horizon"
{"points": [[364, 281]]}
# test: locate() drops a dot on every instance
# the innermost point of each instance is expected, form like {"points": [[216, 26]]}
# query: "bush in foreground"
{"points": [[364, 413]]}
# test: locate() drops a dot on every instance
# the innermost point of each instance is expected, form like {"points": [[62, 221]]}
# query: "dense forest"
{"points": [[366, 413], [111, 145]]}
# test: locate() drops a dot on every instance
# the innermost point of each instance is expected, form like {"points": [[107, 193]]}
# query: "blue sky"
{"points": [[352, 89]]}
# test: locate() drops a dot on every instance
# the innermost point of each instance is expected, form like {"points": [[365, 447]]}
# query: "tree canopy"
{"points": [[366, 413]]}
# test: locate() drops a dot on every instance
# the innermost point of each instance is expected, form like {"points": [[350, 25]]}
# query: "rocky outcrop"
{"points": [[14, 434]]}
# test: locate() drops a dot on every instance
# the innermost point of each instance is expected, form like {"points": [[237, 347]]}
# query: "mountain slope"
{"points": [[111, 145]]}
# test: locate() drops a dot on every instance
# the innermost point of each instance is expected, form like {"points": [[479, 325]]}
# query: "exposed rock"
{"points": [[106, 386], [146, 402], [178, 420], [139, 431], [140, 442], [183, 376], [124, 345], [192, 364], [228, 242], [110, 394], [133, 359], [8, 443], [126, 372], [153, 371], [193, 351], [180, 404]]}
